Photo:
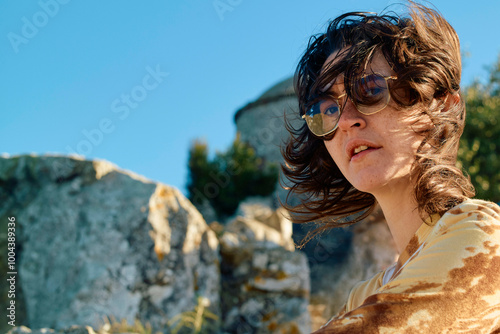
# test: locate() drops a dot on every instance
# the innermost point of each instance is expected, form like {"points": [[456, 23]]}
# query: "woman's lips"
{"points": [[361, 154], [356, 144]]}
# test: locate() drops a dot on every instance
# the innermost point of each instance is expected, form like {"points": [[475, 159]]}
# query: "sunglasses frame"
{"points": [[337, 99]]}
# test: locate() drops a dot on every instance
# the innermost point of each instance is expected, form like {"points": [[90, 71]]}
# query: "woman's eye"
{"points": [[374, 91], [331, 110], [371, 86]]}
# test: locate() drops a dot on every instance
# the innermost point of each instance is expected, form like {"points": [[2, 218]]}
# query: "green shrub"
{"points": [[229, 177], [479, 152]]}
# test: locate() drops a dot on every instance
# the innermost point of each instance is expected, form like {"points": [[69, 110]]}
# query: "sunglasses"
{"points": [[370, 94]]}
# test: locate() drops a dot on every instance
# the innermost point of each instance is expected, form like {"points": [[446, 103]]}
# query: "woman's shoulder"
{"points": [[466, 234], [472, 215], [476, 206]]}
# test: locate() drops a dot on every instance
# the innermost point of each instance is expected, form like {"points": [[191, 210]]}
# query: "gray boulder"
{"points": [[95, 241]]}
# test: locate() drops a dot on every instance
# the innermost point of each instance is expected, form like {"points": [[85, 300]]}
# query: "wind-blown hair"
{"points": [[424, 52]]}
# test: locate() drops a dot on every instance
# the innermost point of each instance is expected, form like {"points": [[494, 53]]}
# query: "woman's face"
{"points": [[374, 152]]}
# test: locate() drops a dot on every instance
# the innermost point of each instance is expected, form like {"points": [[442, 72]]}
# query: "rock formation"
{"points": [[93, 240], [265, 282]]}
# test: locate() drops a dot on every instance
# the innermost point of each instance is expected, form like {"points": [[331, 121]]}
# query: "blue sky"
{"points": [[136, 82]]}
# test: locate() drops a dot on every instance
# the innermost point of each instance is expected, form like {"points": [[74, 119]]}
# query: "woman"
{"points": [[380, 96]]}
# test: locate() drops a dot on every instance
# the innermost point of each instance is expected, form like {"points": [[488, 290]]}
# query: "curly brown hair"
{"points": [[424, 51]]}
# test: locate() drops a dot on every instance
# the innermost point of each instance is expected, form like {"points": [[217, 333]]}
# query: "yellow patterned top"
{"points": [[447, 280]]}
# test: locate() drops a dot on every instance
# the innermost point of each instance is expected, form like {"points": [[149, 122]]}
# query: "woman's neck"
{"points": [[401, 213]]}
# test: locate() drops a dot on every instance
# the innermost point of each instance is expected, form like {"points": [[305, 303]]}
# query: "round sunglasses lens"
{"points": [[323, 117], [371, 94]]}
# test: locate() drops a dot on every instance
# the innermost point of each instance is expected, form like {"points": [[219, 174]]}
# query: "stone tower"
{"points": [[261, 122]]}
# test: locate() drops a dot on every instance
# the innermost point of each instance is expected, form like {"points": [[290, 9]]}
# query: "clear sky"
{"points": [[136, 82]]}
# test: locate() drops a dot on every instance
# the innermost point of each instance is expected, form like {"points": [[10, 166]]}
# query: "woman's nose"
{"points": [[350, 117]]}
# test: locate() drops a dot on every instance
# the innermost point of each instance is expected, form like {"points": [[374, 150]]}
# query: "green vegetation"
{"points": [[479, 152], [229, 178], [198, 321]]}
